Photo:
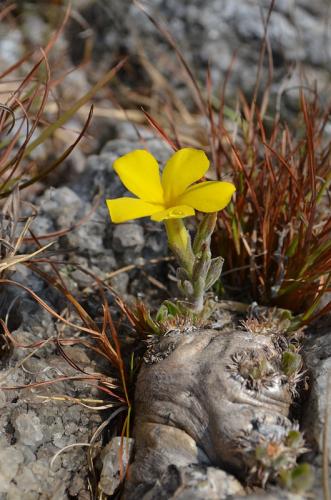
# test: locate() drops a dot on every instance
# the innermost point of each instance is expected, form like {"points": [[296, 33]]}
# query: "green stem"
{"points": [[180, 243], [197, 270]]}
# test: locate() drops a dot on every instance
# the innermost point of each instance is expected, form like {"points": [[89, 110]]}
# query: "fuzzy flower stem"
{"points": [[197, 271]]}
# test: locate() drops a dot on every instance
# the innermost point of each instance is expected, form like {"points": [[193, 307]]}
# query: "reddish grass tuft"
{"points": [[276, 235]]}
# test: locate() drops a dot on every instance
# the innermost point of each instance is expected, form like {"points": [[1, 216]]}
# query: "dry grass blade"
{"points": [[76, 225], [89, 403], [48, 308], [12, 261], [174, 45], [75, 107], [32, 93], [55, 164], [101, 344], [68, 447], [160, 131]]}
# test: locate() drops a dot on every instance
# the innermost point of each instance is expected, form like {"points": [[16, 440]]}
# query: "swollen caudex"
{"points": [[225, 396]]}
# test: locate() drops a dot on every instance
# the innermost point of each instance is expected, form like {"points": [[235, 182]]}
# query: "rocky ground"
{"points": [[34, 425], [210, 32]]}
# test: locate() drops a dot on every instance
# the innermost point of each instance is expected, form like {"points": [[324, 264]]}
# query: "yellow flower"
{"points": [[175, 196]]}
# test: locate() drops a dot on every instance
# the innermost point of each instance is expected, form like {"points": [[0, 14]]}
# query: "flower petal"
{"points": [[185, 167], [178, 212], [209, 196], [139, 172], [124, 209]]}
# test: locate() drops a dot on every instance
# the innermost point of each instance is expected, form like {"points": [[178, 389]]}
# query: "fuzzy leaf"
{"points": [[182, 274], [186, 288], [291, 363], [204, 232], [173, 309], [294, 439], [299, 479], [201, 265], [214, 272]]}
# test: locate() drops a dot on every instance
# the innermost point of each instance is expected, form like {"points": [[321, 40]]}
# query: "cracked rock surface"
{"points": [[317, 407], [34, 427]]}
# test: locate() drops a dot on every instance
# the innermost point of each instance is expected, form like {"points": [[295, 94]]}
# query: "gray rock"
{"points": [[62, 205], [195, 482], [317, 410], [128, 242], [120, 283], [3, 399], [28, 429], [115, 458], [11, 46], [27, 480], [42, 225], [276, 495], [34, 28], [128, 236], [10, 460], [210, 31]]}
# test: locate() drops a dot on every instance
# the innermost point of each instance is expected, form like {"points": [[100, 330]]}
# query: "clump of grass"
{"points": [[276, 235]]}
